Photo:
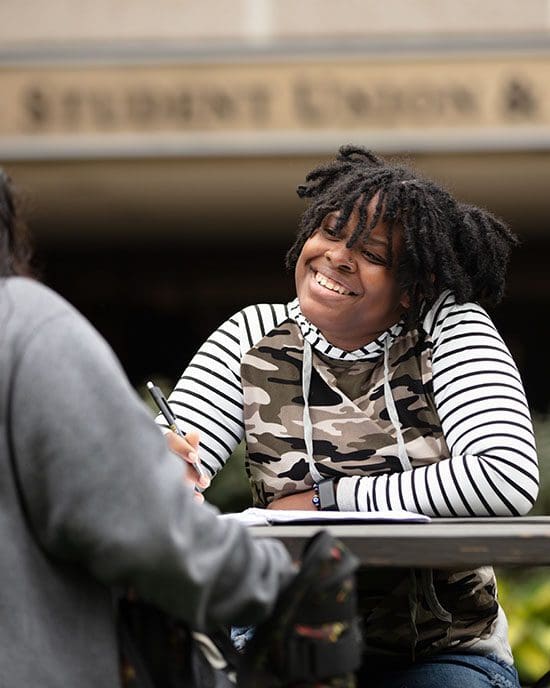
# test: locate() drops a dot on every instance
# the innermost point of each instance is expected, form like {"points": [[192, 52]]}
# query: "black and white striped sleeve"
{"points": [[492, 470], [208, 397]]}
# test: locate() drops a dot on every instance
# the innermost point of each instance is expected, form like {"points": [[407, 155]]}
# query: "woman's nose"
{"points": [[341, 257]]}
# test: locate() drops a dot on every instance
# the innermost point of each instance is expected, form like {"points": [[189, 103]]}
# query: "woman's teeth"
{"points": [[328, 284]]}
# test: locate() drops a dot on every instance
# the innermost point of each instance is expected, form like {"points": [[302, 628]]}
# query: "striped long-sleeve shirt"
{"points": [[475, 388]]}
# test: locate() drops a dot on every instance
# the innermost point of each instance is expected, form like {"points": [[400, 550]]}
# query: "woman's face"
{"points": [[350, 294]]}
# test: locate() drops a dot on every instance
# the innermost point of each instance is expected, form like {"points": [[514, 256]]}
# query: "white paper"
{"points": [[263, 517]]}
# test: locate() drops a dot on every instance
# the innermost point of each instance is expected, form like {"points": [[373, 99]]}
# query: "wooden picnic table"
{"points": [[441, 543]]}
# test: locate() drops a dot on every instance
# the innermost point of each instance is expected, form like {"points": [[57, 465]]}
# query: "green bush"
{"points": [[525, 595], [542, 434], [230, 490]]}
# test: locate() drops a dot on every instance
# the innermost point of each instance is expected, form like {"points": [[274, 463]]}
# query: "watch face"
{"points": [[327, 498]]}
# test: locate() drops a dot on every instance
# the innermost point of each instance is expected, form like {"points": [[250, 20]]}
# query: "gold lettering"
{"points": [[275, 97]]}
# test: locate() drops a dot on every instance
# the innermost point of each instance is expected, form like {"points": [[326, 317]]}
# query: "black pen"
{"points": [[166, 411]]}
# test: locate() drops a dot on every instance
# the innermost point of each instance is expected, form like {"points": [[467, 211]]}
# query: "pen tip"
{"points": [[150, 385]]}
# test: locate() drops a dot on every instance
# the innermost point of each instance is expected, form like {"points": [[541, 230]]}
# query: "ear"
{"points": [[405, 300]]}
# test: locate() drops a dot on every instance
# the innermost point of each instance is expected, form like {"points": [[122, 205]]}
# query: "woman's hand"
{"points": [[187, 448], [298, 500]]}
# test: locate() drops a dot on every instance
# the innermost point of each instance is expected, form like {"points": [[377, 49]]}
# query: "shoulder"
{"points": [[34, 316], [26, 304], [269, 314], [257, 320], [29, 293], [245, 328], [446, 316]]}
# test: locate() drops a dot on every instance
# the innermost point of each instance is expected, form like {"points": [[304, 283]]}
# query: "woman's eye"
{"points": [[330, 231], [374, 258]]}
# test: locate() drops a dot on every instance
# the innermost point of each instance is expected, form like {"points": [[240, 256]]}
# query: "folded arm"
{"points": [[492, 469]]}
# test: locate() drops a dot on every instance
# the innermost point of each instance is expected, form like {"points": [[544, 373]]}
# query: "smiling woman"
{"points": [[383, 385]]}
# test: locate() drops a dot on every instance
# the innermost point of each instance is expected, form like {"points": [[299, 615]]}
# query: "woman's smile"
{"points": [[328, 282]]}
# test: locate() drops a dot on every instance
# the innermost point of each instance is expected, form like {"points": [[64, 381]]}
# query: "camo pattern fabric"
{"points": [[405, 613]]}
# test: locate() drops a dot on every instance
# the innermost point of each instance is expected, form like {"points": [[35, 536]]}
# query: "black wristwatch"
{"points": [[327, 495]]}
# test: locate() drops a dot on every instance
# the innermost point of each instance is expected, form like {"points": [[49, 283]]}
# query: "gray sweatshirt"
{"points": [[91, 498]]}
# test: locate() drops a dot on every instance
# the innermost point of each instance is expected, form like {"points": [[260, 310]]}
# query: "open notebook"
{"points": [[263, 517]]}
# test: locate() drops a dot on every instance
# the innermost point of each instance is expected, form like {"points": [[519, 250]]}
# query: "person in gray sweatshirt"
{"points": [[91, 499]]}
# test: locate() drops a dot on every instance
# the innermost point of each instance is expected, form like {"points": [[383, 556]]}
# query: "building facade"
{"points": [[157, 146]]}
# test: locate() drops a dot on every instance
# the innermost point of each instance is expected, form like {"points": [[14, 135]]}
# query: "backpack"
{"points": [[312, 637]]}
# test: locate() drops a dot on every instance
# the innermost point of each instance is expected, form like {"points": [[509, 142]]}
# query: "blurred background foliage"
{"points": [[524, 593], [525, 597]]}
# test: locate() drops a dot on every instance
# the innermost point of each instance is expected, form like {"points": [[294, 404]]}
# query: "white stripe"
{"points": [[306, 418], [392, 412]]}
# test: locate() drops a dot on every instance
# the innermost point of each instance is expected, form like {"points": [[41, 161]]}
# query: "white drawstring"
{"points": [[308, 428], [392, 411]]}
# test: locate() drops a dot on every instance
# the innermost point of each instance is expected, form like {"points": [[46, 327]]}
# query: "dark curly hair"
{"points": [[15, 250], [447, 244]]}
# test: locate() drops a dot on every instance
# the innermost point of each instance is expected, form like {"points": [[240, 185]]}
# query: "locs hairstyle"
{"points": [[447, 244], [15, 252]]}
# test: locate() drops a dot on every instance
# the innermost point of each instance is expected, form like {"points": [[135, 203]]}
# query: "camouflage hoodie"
{"points": [[313, 411]]}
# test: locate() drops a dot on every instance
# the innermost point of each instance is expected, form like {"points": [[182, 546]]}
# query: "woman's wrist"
{"points": [[324, 497]]}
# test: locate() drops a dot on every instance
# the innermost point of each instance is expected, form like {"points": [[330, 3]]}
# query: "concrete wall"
{"points": [[47, 21]]}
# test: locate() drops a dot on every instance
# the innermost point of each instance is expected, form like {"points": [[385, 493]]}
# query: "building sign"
{"points": [[58, 109]]}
